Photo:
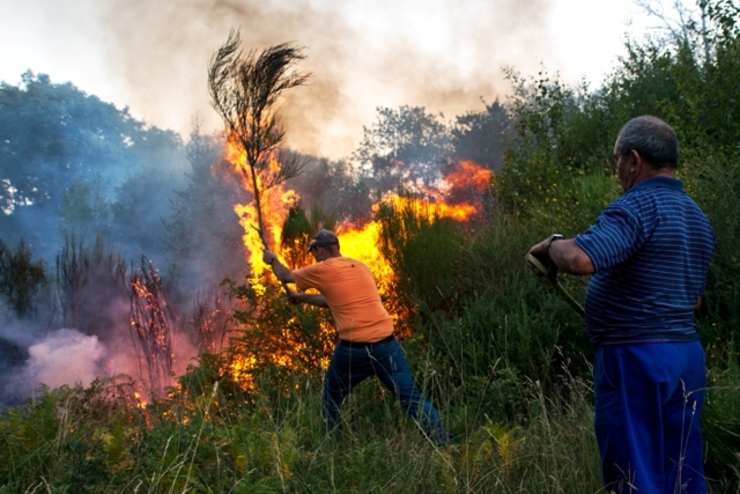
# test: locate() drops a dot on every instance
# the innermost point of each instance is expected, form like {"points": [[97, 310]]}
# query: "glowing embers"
{"points": [[151, 323]]}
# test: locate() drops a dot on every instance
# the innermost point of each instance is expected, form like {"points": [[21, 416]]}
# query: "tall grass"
{"points": [[501, 356], [205, 439], [204, 443]]}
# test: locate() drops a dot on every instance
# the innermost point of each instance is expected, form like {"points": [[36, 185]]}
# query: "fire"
{"points": [[469, 176], [463, 187], [361, 244], [151, 320], [455, 198], [241, 372], [274, 206], [140, 401]]}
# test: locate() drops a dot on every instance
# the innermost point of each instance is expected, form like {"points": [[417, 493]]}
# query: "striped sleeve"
{"points": [[615, 237]]}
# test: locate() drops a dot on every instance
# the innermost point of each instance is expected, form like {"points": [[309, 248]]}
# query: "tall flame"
{"points": [[274, 204], [456, 197]]}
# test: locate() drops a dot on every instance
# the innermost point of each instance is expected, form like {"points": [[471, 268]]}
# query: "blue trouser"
{"points": [[353, 363], [648, 399]]}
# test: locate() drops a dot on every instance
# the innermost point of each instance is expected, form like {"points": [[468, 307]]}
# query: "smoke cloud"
{"points": [[65, 357], [153, 56], [30, 359], [31, 356]]}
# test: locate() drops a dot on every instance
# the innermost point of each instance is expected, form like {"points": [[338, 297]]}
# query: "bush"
{"points": [[21, 279]]}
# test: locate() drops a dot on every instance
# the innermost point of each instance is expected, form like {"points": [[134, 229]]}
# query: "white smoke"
{"points": [[65, 357]]}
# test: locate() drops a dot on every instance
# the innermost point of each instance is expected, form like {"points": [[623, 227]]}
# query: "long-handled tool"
{"points": [[263, 238], [551, 275]]}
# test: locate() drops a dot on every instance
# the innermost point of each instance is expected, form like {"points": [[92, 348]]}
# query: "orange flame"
{"points": [[274, 204], [470, 176], [455, 198]]}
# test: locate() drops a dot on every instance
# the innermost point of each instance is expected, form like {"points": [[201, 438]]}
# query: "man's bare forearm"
{"points": [[309, 298], [282, 273], [570, 258], [565, 254]]}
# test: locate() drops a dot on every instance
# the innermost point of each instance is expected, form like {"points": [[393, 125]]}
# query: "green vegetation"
{"points": [[503, 358]]}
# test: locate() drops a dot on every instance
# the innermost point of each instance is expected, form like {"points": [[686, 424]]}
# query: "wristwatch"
{"points": [[553, 237]]}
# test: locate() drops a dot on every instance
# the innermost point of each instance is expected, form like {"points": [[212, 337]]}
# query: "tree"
{"points": [[244, 89], [335, 187], [20, 278], [693, 90], [91, 285], [405, 148], [559, 132], [85, 207], [680, 24], [57, 142], [140, 210], [482, 136], [52, 133]]}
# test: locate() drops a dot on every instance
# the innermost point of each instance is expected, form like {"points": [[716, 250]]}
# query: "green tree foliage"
{"points": [[405, 147], [21, 279], [559, 171], [678, 82], [65, 154], [722, 98], [412, 239], [85, 208], [142, 202], [51, 133], [482, 137], [334, 186], [561, 133]]}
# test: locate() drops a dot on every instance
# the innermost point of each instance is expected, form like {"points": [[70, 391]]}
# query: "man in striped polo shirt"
{"points": [[649, 254]]}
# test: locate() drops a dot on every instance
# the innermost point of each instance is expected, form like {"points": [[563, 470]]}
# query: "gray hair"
{"points": [[652, 138]]}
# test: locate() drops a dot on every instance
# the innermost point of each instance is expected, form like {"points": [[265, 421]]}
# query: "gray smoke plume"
{"points": [[153, 56]]}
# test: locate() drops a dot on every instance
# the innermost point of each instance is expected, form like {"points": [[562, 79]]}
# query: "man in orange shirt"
{"points": [[366, 344]]}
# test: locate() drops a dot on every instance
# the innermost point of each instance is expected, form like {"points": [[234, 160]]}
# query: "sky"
{"points": [[445, 55]]}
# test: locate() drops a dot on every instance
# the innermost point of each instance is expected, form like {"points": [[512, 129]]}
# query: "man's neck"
{"points": [[649, 172]]}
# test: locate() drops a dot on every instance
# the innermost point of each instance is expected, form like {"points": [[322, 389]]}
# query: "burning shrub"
{"points": [[151, 321], [279, 341], [209, 323], [422, 249]]}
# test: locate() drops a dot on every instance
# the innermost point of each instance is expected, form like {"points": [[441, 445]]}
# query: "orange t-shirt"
{"points": [[348, 286]]}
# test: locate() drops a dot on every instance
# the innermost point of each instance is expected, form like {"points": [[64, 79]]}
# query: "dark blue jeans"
{"points": [[353, 363]]}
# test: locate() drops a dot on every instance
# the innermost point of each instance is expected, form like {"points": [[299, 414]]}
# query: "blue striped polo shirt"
{"points": [[651, 250]]}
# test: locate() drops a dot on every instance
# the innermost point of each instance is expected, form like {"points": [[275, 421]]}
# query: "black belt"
{"points": [[352, 344]]}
